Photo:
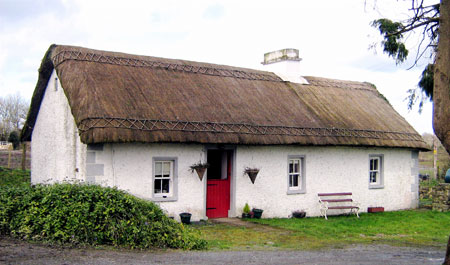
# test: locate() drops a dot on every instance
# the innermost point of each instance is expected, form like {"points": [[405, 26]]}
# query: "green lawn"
{"points": [[402, 228], [14, 177]]}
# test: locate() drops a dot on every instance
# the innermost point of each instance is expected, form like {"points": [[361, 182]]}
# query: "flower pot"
{"points": [[257, 213], [200, 172], [252, 173], [185, 218], [298, 214], [246, 215], [375, 209]]}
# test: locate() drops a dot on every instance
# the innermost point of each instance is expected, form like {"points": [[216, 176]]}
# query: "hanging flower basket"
{"points": [[252, 173], [200, 168]]}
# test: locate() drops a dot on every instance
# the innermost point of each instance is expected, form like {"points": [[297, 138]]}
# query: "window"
{"points": [[164, 179], [376, 171], [296, 174]]}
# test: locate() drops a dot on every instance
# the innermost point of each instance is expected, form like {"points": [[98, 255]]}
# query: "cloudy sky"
{"points": [[333, 38]]}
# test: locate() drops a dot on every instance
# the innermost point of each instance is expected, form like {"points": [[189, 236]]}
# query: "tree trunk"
{"points": [[447, 254], [441, 91]]}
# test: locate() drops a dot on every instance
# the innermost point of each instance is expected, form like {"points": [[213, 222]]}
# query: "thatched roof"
{"points": [[116, 97]]}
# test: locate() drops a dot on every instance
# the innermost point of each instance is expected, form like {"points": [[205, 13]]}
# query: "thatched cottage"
{"points": [[139, 123]]}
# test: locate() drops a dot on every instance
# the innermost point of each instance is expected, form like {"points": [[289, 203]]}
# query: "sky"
{"points": [[333, 38]]}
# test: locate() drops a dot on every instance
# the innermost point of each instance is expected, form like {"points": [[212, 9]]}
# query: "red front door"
{"points": [[218, 183]]}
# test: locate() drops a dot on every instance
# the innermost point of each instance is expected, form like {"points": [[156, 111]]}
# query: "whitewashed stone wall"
{"points": [[56, 150], [328, 169], [129, 167]]}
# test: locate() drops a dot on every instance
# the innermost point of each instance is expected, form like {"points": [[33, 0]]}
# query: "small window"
{"points": [[376, 171], [164, 179], [296, 174]]}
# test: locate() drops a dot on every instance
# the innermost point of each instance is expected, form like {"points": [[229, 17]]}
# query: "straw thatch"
{"points": [[116, 97]]}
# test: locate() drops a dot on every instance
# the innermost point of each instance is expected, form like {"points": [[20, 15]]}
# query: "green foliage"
{"points": [[89, 214], [426, 82], [14, 177], [14, 139], [426, 85], [392, 44], [246, 209]]}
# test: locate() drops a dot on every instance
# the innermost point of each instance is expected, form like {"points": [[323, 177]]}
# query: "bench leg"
{"points": [[356, 211]]}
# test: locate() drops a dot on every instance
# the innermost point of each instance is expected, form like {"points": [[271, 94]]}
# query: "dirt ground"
{"points": [[16, 158], [14, 251]]}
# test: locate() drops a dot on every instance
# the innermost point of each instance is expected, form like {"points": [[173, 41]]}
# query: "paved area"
{"points": [[19, 252]]}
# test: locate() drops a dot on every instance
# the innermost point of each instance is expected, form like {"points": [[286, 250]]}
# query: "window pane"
{"points": [[290, 181], [375, 164], [373, 177], [296, 166], [295, 180], [157, 186], [166, 168], [291, 166], [165, 186], [158, 168]]}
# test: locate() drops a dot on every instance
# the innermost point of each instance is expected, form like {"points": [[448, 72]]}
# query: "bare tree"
{"points": [[13, 112]]}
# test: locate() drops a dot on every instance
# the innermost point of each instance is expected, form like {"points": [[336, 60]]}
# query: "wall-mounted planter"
{"points": [[200, 168], [375, 209], [252, 173]]}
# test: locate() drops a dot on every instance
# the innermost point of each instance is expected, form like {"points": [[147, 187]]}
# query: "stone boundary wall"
{"points": [[440, 195]]}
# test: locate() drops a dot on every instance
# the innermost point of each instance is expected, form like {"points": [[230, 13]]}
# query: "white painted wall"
{"points": [[328, 169], [56, 150], [129, 167]]}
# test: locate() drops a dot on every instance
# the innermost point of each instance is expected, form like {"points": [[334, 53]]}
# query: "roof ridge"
{"points": [[65, 55]]}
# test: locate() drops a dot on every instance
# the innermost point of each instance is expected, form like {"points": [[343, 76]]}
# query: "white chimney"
{"points": [[286, 64]]}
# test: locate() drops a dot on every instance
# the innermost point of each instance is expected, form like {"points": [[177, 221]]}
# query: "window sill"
{"points": [[162, 199], [376, 186], [291, 192]]}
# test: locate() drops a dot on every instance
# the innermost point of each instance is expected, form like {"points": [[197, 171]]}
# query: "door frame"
{"points": [[232, 148]]}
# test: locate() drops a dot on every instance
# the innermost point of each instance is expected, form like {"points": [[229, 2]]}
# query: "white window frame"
{"points": [[172, 195], [301, 173], [379, 183]]}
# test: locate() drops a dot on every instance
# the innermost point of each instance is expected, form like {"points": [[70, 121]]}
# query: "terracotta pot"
{"points": [[200, 172], [375, 209]]}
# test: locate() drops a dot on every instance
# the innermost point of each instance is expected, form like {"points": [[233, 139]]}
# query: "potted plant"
{"points": [[246, 211], [257, 213], [252, 173], [298, 214], [185, 218], [200, 168]]}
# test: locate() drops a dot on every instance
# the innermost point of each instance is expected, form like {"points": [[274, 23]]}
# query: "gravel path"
{"points": [[19, 252]]}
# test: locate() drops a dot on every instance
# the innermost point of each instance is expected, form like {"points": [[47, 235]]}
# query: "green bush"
{"points": [[89, 214], [14, 139]]}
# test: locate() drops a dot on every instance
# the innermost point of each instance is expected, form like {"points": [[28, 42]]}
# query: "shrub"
{"points": [[89, 214], [14, 139]]}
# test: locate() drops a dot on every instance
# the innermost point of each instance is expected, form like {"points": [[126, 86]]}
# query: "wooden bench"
{"points": [[337, 201]]}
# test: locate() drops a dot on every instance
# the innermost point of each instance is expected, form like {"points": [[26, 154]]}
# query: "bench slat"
{"points": [[338, 200], [342, 207], [334, 194]]}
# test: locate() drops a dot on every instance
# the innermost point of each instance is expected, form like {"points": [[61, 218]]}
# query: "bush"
{"points": [[89, 214], [14, 139]]}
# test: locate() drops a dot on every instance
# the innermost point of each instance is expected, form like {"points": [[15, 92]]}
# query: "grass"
{"points": [[14, 177], [401, 228], [413, 227]]}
